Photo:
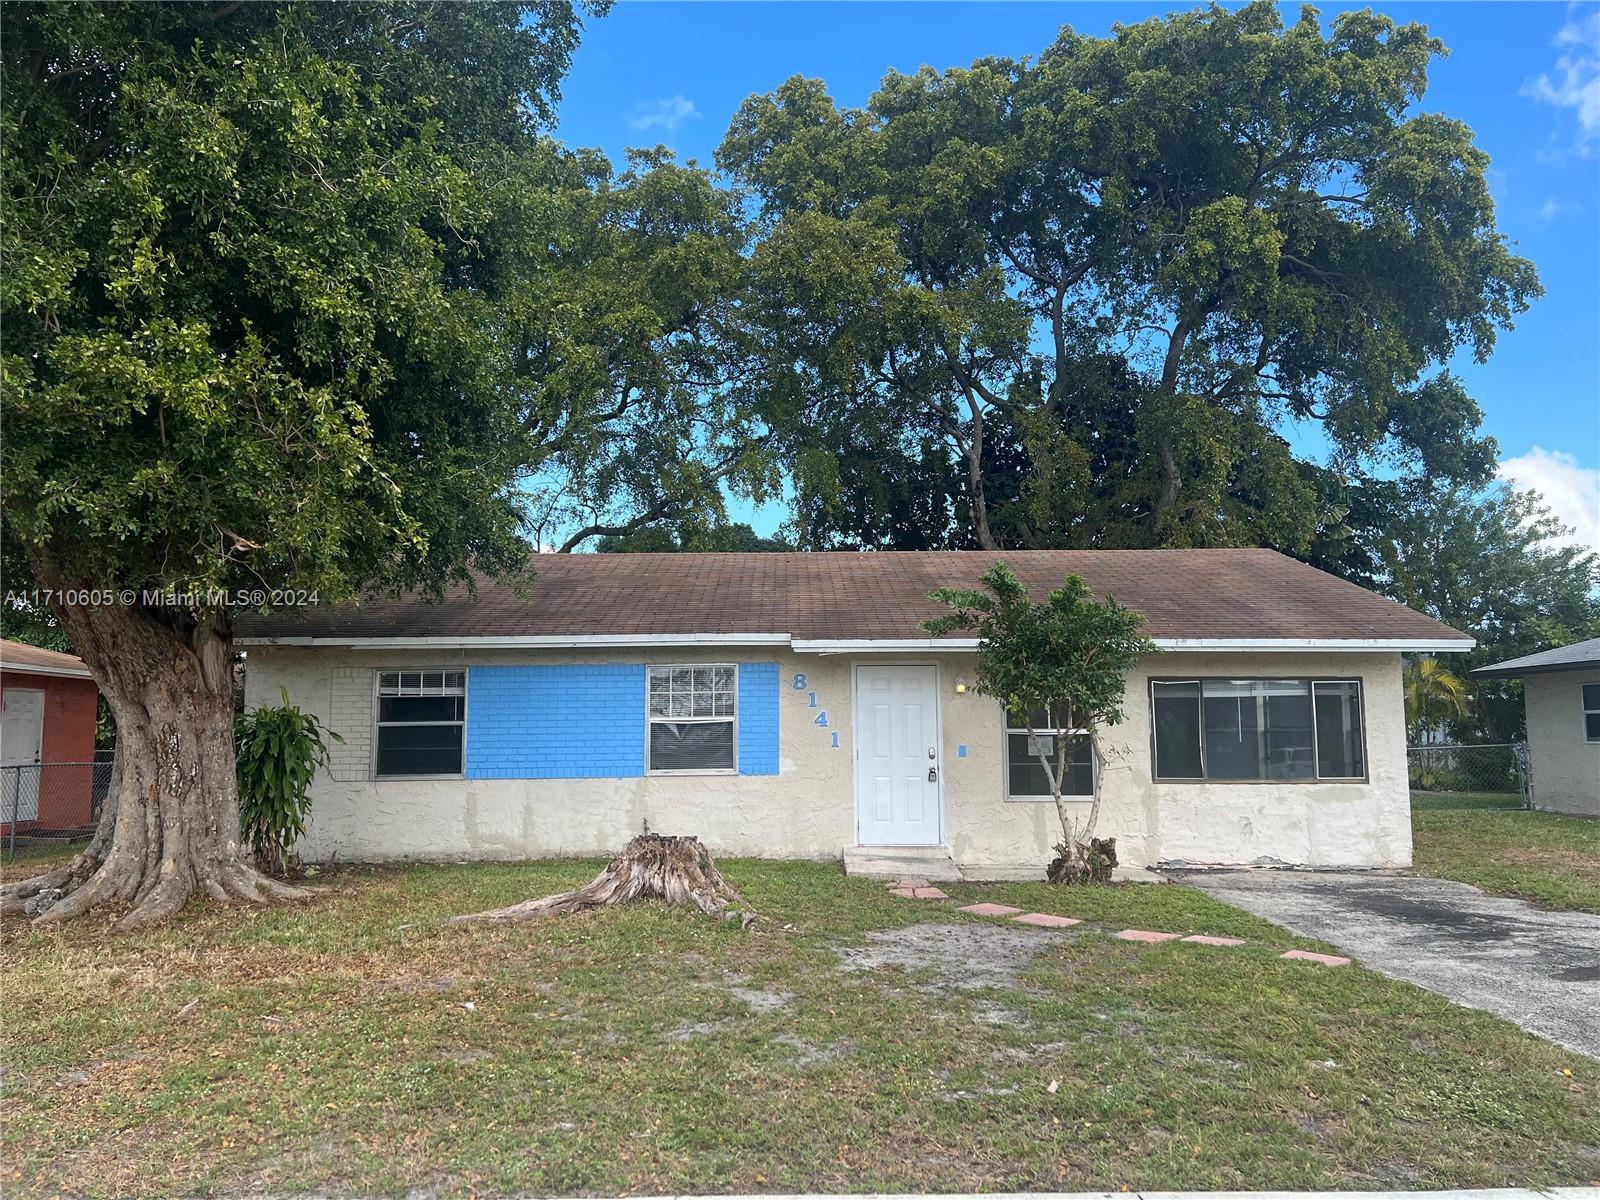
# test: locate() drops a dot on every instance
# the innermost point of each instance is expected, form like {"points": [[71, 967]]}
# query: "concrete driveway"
{"points": [[1539, 969]]}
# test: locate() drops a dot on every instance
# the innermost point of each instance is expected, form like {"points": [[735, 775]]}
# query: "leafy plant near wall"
{"points": [[1067, 659], [279, 751]]}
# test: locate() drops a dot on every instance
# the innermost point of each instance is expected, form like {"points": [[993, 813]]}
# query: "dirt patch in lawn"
{"points": [[968, 957]]}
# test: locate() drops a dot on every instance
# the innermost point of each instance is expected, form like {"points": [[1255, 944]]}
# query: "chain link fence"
{"points": [[1497, 769], [51, 803]]}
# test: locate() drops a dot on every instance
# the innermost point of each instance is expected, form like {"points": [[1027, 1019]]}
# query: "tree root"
{"points": [[677, 870], [88, 882]]}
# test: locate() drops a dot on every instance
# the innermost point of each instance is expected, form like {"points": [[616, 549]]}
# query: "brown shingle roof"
{"points": [[1209, 594], [19, 656]]}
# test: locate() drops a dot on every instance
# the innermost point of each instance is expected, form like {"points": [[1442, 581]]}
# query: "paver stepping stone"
{"points": [[908, 893], [908, 883], [1144, 935], [990, 910], [1046, 920], [1206, 939], [1327, 960], [929, 893]]}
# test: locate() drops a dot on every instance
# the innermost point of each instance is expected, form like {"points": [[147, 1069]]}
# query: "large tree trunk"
{"points": [[170, 827]]}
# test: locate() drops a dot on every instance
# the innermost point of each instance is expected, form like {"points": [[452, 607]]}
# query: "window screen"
{"points": [[1175, 714], [421, 720], [1339, 749], [1025, 774], [1257, 729], [692, 712]]}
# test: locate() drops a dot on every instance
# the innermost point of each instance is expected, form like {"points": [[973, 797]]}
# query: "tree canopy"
{"points": [[1494, 563], [1094, 288]]}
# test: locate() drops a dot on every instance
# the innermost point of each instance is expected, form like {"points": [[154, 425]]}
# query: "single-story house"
{"points": [[793, 705], [48, 705], [1561, 697]]}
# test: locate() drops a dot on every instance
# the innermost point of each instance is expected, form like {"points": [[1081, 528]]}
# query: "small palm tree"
{"points": [[1434, 695]]}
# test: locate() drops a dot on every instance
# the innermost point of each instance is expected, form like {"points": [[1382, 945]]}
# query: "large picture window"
{"points": [[692, 714], [1257, 729], [421, 723], [1025, 774]]}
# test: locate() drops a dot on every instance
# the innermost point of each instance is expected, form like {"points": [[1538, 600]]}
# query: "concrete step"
{"points": [[932, 863]]}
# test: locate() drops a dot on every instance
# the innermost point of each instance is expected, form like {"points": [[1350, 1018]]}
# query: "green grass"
{"points": [[1432, 801], [1545, 857], [359, 1045]]}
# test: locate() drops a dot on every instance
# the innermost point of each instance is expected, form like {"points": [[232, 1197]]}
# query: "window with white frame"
{"points": [[692, 711], [421, 723], [1591, 712], [1026, 778], [1257, 729]]}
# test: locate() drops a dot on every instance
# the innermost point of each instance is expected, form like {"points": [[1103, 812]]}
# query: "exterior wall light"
{"points": [[961, 685]]}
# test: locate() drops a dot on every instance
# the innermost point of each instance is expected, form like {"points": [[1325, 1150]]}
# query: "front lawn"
{"points": [[851, 1041], [1539, 856]]}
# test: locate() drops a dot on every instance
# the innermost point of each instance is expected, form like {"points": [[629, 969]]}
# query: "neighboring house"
{"points": [[1561, 696], [793, 705], [48, 704]]}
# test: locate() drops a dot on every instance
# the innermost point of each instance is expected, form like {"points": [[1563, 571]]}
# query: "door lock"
{"points": [[933, 774]]}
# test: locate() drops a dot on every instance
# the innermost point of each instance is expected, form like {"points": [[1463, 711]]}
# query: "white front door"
{"points": [[897, 756], [21, 726]]}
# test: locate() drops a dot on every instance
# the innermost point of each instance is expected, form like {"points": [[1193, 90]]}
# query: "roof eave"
{"points": [[1440, 645]]}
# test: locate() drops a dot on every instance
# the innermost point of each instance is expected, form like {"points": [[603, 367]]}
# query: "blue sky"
{"points": [[1525, 76]]}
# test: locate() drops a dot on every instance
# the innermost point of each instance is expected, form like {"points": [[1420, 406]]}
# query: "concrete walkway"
{"points": [[1537, 968]]}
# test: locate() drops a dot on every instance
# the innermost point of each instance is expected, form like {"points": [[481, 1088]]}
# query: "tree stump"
{"points": [[1084, 864], [675, 870]]}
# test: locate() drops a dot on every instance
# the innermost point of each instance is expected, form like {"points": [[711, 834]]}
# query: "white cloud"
{"points": [[1575, 81], [665, 115], [1551, 209], [1572, 492]]}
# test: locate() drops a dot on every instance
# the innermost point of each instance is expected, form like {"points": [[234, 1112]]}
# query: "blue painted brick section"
{"points": [[549, 721], [758, 718]]}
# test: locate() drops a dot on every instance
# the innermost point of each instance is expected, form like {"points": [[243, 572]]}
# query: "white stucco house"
{"points": [[1561, 698], [792, 705]]}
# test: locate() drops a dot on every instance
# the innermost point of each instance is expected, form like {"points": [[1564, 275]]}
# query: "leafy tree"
{"points": [[1065, 660], [635, 360], [1435, 696], [687, 536], [294, 300], [1131, 262], [1494, 563]]}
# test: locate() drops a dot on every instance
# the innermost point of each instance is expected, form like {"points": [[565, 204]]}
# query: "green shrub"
{"points": [[279, 750]]}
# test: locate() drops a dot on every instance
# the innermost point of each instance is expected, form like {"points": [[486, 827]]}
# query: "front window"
{"points": [[421, 723], [1591, 712], [1026, 779], [1257, 729], [692, 713]]}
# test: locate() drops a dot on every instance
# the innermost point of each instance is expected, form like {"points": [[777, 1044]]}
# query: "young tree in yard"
{"points": [[1131, 263], [1067, 659], [299, 296]]}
